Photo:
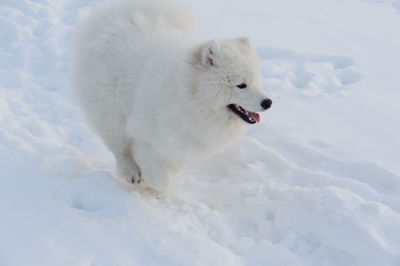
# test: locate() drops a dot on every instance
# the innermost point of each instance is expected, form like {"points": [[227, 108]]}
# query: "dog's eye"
{"points": [[242, 85]]}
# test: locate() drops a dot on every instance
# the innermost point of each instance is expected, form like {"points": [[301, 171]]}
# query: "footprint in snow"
{"points": [[308, 74]]}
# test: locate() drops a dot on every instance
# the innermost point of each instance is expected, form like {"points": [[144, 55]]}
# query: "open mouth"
{"points": [[249, 117]]}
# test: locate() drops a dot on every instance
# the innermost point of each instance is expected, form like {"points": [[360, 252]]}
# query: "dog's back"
{"points": [[113, 51]]}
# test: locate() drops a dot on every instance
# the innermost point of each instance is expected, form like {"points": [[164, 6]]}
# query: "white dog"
{"points": [[157, 97]]}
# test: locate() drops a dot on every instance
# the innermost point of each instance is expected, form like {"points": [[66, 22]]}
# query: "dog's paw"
{"points": [[129, 172], [135, 179]]}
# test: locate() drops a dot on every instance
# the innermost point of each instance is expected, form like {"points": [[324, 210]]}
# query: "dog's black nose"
{"points": [[266, 104]]}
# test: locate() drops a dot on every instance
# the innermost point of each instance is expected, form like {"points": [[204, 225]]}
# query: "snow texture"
{"points": [[316, 183]]}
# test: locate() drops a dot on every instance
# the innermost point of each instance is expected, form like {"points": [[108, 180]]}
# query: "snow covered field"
{"points": [[316, 183]]}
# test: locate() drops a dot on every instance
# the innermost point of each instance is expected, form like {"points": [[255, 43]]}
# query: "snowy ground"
{"points": [[317, 183]]}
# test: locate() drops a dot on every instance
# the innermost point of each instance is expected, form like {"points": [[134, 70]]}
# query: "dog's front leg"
{"points": [[156, 173]]}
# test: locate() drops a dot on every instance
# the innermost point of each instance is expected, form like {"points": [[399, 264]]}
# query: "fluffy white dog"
{"points": [[157, 97]]}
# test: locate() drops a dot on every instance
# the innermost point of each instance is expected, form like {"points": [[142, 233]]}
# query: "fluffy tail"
{"points": [[173, 12]]}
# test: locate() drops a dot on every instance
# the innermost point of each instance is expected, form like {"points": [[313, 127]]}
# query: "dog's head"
{"points": [[230, 78]]}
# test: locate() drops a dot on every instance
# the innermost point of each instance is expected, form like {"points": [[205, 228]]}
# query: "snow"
{"points": [[316, 183]]}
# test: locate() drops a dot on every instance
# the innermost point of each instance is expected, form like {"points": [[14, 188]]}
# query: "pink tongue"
{"points": [[256, 117]]}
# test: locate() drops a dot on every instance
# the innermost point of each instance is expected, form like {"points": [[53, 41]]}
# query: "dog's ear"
{"points": [[210, 52]]}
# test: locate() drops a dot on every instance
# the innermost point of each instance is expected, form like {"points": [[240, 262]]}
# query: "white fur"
{"points": [[157, 97]]}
